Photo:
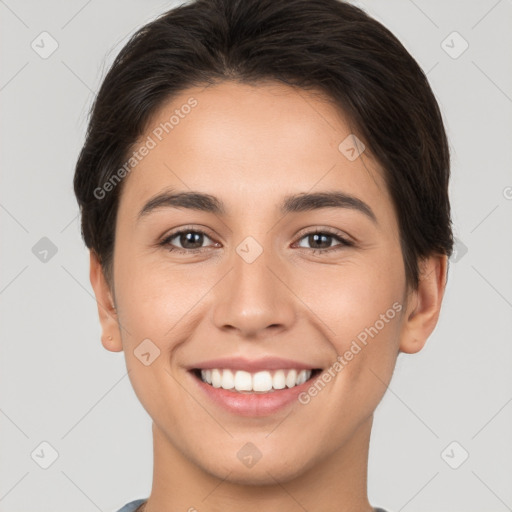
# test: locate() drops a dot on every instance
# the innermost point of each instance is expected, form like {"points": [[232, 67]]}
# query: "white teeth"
{"points": [[243, 381], [279, 380], [259, 382], [206, 376], [216, 378], [262, 381], [291, 378], [302, 377], [228, 379]]}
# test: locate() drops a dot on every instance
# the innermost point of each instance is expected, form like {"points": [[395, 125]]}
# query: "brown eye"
{"points": [[186, 241], [320, 240], [191, 240], [323, 240]]}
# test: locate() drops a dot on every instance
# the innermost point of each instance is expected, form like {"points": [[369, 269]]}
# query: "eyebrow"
{"points": [[291, 204], [191, 200], [332, 199]]}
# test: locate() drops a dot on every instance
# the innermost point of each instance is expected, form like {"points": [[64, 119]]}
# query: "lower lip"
{"points": [[252, 404]]}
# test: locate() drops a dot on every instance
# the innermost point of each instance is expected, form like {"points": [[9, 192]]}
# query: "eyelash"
{"points": [[343, 241]]}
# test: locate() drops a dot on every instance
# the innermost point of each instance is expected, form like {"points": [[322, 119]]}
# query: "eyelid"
{"points": [[165, 239], [197, 228], [344, 240], [342, 236]]}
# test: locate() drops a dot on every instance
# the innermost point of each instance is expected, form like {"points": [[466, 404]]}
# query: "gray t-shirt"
{"points": [[133, 505]]}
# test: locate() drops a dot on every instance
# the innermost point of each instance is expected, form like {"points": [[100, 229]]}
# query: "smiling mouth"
{"points": [[240, 381]]}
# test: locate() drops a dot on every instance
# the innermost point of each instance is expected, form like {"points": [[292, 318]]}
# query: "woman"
{"points": [[264, 193]]}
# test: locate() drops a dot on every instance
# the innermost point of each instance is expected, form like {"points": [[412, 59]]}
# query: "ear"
{"points": [[424, 304], [111, 335]]}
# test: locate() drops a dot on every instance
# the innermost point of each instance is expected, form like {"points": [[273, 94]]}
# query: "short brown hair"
{"points": [[324, 45]]}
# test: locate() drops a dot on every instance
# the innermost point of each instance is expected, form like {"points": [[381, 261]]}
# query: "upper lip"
{"points": [[252, 365]]}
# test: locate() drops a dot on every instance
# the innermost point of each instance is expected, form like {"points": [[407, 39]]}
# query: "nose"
{"points": [[252, 300]]}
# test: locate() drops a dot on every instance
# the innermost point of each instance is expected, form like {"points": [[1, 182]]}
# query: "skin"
{"points": [[250, 146]]}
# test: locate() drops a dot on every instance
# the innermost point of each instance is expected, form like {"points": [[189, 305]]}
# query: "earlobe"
{"points": [[111, 338], [425, 304]]}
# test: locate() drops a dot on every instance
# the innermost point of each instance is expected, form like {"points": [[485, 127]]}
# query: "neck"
{"points": [[335, 483]]}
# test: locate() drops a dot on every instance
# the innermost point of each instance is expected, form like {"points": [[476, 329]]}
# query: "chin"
{"points": [[264, 472]]}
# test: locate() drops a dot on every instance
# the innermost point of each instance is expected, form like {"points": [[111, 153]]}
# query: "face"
{"points": [[256, 282]]}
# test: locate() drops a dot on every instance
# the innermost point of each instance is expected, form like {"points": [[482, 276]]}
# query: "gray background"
{"points": [[60, 386]]}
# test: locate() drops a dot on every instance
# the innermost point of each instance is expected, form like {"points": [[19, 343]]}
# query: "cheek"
{"points": [[159, 301], [153, 305], [351, 297], [361, 317], [358, 308]]}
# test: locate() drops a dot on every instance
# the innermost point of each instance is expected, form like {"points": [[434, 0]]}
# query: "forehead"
{"points": [[248, 143]]}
